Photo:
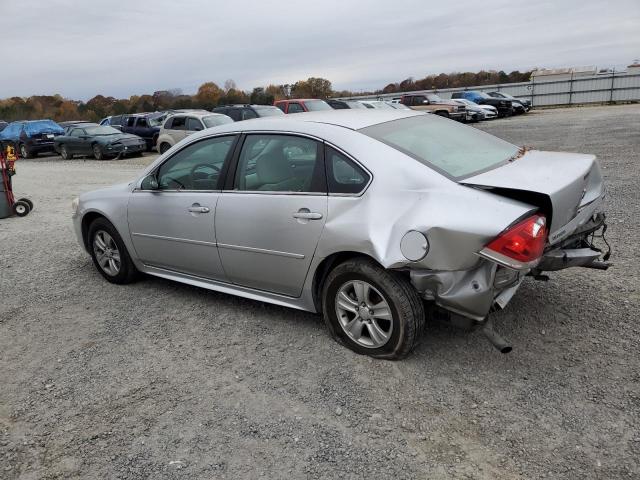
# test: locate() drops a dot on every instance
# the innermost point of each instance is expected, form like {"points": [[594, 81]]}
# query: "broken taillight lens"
{"points": [[524, 241]]}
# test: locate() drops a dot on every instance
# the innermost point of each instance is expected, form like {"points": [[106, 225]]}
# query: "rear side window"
{"points": [[295, 108], [281, 105], [344, 175], [235, 113], [142, 123], [248, 114], [131, 121]]}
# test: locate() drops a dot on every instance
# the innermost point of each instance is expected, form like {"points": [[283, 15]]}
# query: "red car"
{"points": [[298, 105]]}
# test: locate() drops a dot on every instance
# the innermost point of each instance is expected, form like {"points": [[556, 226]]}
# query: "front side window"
{"points": [[77, 132], [295, 108], [142, 123], [131, 121], [117, 120], [197, 166], [235, 113], [455, 150], [279, 163], [344, 175]]}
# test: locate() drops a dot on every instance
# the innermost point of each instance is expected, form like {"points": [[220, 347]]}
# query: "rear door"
{"points": [[270, 216]]}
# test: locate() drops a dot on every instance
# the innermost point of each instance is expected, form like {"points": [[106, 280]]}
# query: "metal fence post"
{"points": [[571, 88], [613, 79]]}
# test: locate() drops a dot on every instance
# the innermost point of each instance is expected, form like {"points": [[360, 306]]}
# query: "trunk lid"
{"points": [[568, 182]]}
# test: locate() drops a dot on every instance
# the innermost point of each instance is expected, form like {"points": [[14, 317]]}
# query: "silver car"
{"points": [[373, 218], [182, 124]]}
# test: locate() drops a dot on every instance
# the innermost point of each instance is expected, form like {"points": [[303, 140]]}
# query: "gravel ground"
{"points": [[160, 380]]}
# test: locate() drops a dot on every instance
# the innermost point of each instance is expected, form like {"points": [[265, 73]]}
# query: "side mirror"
{"points": [[149, 183]]}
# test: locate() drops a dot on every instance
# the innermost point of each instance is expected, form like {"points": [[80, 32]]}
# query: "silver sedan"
{"points": [[374, 218]]}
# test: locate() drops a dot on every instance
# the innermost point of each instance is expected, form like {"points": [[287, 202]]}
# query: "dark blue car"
{"points": [[31, 137], [504, 106]]}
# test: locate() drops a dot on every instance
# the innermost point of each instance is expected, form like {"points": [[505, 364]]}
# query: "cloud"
{"points": [[82, 48]]}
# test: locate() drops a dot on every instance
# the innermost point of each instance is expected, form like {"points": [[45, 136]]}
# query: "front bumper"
{"points": [[123, 150], [460, 116]]}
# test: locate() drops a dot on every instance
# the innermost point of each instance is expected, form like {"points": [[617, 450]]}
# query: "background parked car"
{"points": [[299, 105], [504, 107], [31, 137], [98, 140], [144, 125], [344, 104], [376, 104], [433, 103], [247, 112], [179, 126], [114, 121], [486, 112], [523, 101]]}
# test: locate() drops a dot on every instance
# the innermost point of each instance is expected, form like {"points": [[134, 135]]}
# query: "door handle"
{"points": [[196, 208], [307, 215]]}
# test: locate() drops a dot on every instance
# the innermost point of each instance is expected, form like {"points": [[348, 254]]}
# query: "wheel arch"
{"points": [[325, 266], [87, 219]]}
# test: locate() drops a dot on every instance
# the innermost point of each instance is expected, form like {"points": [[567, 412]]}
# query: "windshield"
{"points": [[315, 105], [157, 121], [450, 148], [101, 130], [215, 120], [268, 111]]}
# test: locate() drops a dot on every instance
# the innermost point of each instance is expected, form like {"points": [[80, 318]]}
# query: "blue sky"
{"points": [[79, 48]]}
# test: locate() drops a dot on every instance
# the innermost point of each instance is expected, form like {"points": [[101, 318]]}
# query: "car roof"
{"points": [[195, 113], [351, 119]]}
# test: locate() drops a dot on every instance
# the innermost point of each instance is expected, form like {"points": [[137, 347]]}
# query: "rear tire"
{"points": [[371, 310], [109, 253], [24, 151]]}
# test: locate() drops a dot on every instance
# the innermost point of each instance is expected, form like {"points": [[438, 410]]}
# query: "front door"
{"points": [[269, 224], [172, 227]]}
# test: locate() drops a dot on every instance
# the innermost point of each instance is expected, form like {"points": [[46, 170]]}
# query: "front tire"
{"points": [[97, 152], [371, 310], [109, 253], [64, 153], [164, 146]]}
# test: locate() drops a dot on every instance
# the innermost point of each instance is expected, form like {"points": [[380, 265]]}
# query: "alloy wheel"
{"points": [[107, 253], [364, 314]]}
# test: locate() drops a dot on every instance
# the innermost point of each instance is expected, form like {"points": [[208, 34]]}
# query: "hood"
{"points": [[566, 181]]}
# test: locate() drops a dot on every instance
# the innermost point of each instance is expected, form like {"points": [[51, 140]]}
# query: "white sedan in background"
{"points": [[489, 111]]}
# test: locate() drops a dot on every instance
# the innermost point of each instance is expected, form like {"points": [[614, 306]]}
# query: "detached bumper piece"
{"points": [[579, 250]]}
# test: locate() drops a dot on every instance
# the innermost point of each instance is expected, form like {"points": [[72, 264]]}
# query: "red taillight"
{"points": [[523, 242]]}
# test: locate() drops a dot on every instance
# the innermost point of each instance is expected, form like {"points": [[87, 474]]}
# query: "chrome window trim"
{"points": [[323, 142]]}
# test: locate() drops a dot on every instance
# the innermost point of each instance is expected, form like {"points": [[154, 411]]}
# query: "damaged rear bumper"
{"points": [[470, 293]]}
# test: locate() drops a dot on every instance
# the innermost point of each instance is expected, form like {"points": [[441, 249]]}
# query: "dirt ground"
{"points": [[159, 380]]}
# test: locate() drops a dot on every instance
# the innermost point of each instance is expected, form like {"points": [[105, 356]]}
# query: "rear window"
{"points": [[268, 111], [315, 105], [453, 149], [42, 126], [215, 120]]}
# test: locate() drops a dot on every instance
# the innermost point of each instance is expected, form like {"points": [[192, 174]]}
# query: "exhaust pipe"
{"points": [[495, 338]]}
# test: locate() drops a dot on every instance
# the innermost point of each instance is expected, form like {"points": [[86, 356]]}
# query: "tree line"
{"points": [[210, 95]]}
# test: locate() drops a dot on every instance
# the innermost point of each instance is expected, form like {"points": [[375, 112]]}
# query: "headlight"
{"points": [[74, 205]]}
